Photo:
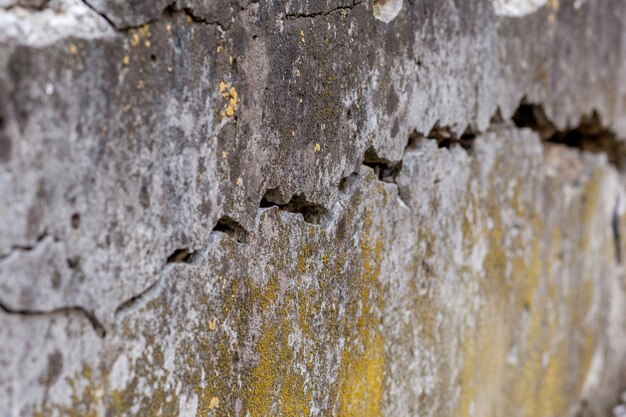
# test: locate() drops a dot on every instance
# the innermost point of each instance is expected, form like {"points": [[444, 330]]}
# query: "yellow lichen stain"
{"points": [[516, 284], [274, 381], [361, 375], [484, 348], [126, 60], [362, 380], [87, 401], [232, 105], [144, 30], [230, 94], [554, 5], [213, 325], [304, 258], [536, 385], [274, 386], [540, 381], [591, 199], [134, 39], [214, 403], [484, 358]]}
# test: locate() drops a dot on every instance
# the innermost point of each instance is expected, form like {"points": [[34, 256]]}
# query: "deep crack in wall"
{"points": [[313, 208]]}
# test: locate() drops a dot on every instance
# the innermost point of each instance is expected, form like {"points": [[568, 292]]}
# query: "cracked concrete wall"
{"points": [[311, 208]]}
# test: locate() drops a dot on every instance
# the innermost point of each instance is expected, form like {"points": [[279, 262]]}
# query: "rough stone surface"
{"points": [[309, 208]]}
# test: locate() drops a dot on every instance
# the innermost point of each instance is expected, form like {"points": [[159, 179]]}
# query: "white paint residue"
{"points": [[517, 8]]}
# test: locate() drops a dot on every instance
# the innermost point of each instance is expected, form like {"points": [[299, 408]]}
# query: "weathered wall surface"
{"points": [[310, 208]]}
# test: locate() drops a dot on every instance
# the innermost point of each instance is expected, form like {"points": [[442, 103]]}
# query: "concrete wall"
{"points": [[312, 208]]}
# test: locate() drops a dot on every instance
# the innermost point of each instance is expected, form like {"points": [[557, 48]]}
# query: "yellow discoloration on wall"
{"points": [[87, 397], [286, 318], [274, 386], [139, 34], [516, 284], [362, 380], [232, 99], [361, 376], [484, 348], [590, 206]]}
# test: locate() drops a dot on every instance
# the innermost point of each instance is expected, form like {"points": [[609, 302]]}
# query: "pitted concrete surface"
{"points": [[311, 208]]}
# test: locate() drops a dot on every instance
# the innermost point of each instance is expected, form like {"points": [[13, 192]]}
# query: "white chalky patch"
{"points": [[517, 7], [387, 10]]}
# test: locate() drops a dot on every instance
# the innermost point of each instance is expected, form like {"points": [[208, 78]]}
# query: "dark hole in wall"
{"points": [[385, 170], [311, 212], [232, 228], [75, 221], [446, 139], [182, 255], [589, 135]]}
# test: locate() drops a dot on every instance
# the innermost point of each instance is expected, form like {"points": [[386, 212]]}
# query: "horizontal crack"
{"points": [[590, 135], [292, 16], [168, 11], [232, 228], [171, 9], [184, 256], [97, 326], [312, 213], [28, 6], [446, 138], [139, 299], [26, 248]]}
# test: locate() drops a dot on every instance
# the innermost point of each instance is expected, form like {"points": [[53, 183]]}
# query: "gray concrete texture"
{"points": [[312, 208]]}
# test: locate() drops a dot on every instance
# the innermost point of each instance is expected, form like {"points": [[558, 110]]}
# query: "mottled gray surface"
{"points": [[188, 226]]}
